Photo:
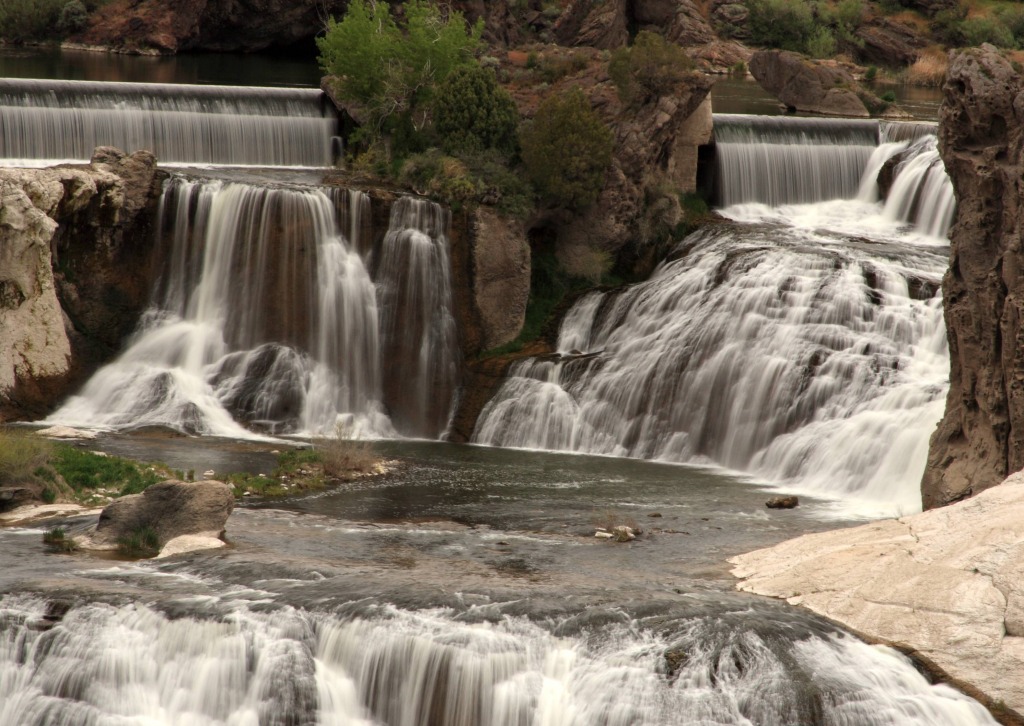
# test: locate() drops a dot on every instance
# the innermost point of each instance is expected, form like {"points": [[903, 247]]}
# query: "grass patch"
{"points": [[22, 455], [303, 470], [142, 542], [85, 470], [57, 538]]}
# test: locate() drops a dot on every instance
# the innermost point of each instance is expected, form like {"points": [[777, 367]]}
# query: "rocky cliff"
{"points": [[74, 273], [981, 437]]}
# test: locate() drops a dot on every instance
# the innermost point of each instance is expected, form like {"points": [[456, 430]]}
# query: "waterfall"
{"points": [[803, 343], [266, 316], [790, 354], [392, 667], [46, 121], [779, 160], [421, 353]]}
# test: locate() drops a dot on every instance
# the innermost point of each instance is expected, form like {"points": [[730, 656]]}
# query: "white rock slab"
{"points": [[190, 543], [947, 583], [66, 432], [35, 512]]}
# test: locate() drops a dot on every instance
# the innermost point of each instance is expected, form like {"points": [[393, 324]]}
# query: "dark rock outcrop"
{"points": [[981, 138], [170, 508], [74, 272], [803, 84], [888, 42]]}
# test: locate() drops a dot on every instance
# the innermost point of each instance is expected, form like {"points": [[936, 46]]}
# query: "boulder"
{"points": [[789, 502], [888, 42], [171, 508], [803, 84], [946, 585], [729, 19], [594, 23], [981, 139], [687, 25]]}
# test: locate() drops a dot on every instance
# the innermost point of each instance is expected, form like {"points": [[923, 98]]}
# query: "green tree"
{"points": [[473, 113], [652, 66], [566, 150], [785, 24], [391, 71]]}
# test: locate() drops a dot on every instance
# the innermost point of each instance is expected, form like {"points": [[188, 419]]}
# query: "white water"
{"points": [[132, 666], [804, 345], [66, 120], [266, 316]]}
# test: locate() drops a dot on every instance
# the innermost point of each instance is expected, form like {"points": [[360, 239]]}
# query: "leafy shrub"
{"points": [[390, 71], [652, 66], [976, 31], [889, 97], [821, 44], [871, 74], [1013, 19], [48, 496], [27, 20], [946, 26], [472, 112], [566, 150], [142, 542], [442, 177], [73, 18], [785, 24]]}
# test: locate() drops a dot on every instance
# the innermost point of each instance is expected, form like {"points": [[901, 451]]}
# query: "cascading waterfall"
{"points": [[45, 121], [392, 667], [266, 316], [803, 344], [776, 160], [421, 353]]}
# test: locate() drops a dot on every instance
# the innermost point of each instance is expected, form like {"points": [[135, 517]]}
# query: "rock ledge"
{"points": [[946, 585]]}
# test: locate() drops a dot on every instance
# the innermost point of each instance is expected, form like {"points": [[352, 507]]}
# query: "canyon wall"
{"points": [[980, 440], [74, 272]]}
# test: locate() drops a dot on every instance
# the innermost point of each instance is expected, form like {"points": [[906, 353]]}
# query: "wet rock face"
{"points": [[73, 275], [981, 133]]}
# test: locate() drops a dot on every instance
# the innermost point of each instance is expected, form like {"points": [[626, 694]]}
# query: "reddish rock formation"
{"points": [[981, 138]]}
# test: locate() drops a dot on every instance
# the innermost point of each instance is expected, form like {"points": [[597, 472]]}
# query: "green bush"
{"points": [[390, 71], [473, 113], [947, 26], [785, 24], [821, 44], [652, 66], [566, 150], [976, 31], [1013, 19], [28, 20], [73, 18]]}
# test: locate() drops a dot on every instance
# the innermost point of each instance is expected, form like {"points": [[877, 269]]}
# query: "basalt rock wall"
{"points": [[980, 440], [74, 272]]}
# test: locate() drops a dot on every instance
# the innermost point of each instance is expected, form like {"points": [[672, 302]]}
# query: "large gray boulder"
{"points": [[803, 84], [171, 508]]}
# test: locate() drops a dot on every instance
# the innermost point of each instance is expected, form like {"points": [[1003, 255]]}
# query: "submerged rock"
{"points": [[170, 508], [783, 502], [947, 585]]}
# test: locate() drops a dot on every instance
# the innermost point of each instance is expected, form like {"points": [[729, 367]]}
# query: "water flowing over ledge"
{"points": [[267, 317], [66, 120], [804, 345]]}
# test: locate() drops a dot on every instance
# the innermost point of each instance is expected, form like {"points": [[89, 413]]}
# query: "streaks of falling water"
{"points": [[419, 336], [798, 356], [66, 120], [105, 664], [265, 316]]}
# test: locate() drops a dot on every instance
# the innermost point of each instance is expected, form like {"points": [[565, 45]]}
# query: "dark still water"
{"points": [[228, 69]]}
